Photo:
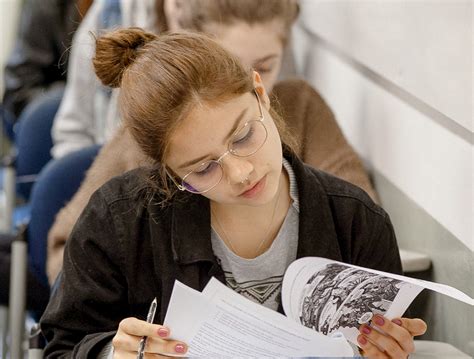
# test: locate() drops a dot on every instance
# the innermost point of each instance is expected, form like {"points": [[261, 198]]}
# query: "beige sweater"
{"points": [[322, 145]]}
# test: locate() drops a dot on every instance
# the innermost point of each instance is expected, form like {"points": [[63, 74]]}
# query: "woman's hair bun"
{"points": [[116, 50]]}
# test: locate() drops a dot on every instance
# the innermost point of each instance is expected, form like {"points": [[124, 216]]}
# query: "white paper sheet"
{"points": [[328, 297], [221, 323]]}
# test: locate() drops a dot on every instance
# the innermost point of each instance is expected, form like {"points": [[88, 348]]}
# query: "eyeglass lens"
{"points": [[248, 140]]}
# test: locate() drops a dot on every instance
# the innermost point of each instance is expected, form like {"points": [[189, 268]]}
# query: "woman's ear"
{"points": [[262, 93]]}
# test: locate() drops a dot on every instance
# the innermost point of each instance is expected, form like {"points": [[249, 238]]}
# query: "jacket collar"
{"points": [[316, 222], [190, 229], [190, 222]]}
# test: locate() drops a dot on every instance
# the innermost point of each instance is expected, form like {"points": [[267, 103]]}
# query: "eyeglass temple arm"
{"points": [[259, 103], [180, 187]]}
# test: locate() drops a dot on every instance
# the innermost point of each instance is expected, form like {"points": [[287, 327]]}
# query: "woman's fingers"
{"points": [[386, 343], [140, 328], [402, 336], [133, 355], [128, 343], [132, 330], [370, 350], [395, 338], [160, 346], [415, 326]]}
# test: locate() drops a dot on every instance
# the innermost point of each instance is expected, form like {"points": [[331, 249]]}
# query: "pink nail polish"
{"points": [[397, 322], [362, 340], [162, 332], [379, 321], [366, 330], [180, 348]]}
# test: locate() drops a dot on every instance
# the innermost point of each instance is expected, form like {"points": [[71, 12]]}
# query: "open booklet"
{"points": [[325, 303]]}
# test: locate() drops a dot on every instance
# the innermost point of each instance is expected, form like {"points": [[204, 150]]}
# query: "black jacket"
{"points": [[126, 249], [39, 59]]}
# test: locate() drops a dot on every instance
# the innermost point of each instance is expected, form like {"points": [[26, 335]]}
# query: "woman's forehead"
{"points": [[249, 42], [207, 125]]}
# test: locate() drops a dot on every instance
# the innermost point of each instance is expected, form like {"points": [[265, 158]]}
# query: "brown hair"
{"points": [[196, 14], [162, 78]]}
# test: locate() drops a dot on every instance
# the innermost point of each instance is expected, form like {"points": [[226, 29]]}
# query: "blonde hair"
{"points": [[162, 78]]}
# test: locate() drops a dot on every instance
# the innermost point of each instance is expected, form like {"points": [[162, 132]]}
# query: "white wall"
{"points": [[397, 74], [399, 77], [421, 46]]}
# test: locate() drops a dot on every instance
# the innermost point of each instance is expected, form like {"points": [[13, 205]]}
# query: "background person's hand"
{"points": [[397, 342], [131, 331]]}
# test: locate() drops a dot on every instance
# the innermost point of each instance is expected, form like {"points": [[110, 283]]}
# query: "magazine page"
{"points": [[330, 296], [221, 323]]}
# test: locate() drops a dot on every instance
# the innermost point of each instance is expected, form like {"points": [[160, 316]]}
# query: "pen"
{"points": [[149, 319]]}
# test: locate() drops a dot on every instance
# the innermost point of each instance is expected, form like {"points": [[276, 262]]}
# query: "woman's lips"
{"points": [[255, 189]]}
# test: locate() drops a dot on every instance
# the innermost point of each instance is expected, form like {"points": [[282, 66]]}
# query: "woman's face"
{"points": [[259, 46], [205, 134]]}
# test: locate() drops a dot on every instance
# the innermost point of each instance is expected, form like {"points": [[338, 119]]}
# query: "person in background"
{"points": [[226, 197], [34, 78], [257, 33], [85, 114], [84, 97], [38, 62]]}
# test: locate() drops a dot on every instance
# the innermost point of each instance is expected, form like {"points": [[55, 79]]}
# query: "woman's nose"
{"points": [[237, 169]]}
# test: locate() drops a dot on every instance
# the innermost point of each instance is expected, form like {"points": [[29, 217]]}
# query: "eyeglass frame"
{"points": [[229, 151]]}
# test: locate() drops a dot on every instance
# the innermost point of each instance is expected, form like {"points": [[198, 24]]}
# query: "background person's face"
{"points": [[259, 46]]}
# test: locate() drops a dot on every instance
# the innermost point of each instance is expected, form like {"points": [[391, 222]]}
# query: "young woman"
{"points": [[256, 32], [228, 198]]}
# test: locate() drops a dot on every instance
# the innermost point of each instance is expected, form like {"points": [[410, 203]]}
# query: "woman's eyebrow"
{"points": [[236, 124], [231, 132], [265, 58]]}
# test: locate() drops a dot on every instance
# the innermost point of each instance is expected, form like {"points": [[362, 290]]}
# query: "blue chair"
{"points": [[31, 138], [54, 187]]}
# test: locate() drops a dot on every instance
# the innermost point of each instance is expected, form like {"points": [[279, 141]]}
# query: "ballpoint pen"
{"points": [[149, 319]]}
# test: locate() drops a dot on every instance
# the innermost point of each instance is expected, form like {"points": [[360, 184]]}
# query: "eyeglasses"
{"points": [[245, 141]]}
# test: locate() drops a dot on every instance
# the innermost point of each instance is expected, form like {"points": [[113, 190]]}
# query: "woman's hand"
{"points": [[397, 342], [131, 331]]}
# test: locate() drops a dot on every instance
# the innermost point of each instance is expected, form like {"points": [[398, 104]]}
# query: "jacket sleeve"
{"points": [[34, 58], [82, 314], [322, 143], [74, 126]]}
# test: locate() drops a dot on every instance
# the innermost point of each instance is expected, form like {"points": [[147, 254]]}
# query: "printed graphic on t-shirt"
{"points": [[259, 291]]}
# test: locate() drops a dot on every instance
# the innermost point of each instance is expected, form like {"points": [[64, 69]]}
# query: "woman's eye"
{"points": [[242, 138], [205, 169], [263, 70]]}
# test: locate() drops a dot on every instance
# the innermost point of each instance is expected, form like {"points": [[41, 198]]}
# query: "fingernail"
{"points": [[162, 332], [366, 330], [362, 340], [397, 322], [379, 321], [180, 348]]}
